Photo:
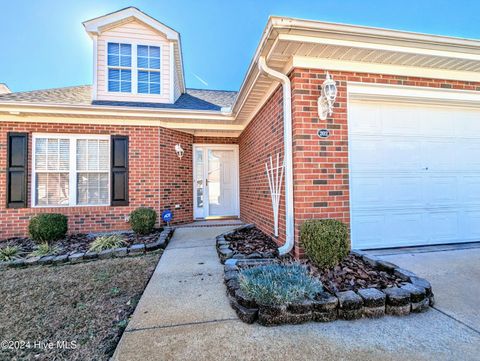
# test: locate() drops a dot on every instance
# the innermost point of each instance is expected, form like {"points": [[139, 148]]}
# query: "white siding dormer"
{"points": [[145, 58], [134, 34]]}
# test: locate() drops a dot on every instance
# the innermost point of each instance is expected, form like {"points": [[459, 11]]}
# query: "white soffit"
{"points": [[294, 43]]}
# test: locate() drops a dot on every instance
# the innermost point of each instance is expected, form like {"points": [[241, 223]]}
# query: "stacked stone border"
{"points": [[225, 252], [133, 250], [414, 296]]}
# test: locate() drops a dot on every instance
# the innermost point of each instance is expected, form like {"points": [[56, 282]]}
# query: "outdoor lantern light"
{"points": [[327, 97], [179, 150]]}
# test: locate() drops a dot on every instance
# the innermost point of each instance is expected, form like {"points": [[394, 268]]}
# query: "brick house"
{"points": [[396, 160]]}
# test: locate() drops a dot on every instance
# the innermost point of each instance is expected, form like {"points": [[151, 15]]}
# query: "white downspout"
{"points": [[287, 144]]}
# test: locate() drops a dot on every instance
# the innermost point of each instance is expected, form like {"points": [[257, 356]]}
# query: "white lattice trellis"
{"points": [[275, 178]]}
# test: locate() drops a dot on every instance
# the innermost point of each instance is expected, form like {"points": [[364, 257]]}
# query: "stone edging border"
{"points": [[225, 252], [415, 295], [133, 250]]}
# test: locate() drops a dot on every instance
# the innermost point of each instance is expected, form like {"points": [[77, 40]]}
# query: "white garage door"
{"points": [[414, 173]]}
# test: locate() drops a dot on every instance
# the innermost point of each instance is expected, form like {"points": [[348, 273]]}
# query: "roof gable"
{"points": [[98, 25]]}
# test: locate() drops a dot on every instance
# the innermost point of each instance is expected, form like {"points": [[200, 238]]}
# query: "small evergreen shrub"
{"points": [[142, 220], [106, 242], [279, 284], [326, 241], [10, 253], [44, 249], [48, 227]]}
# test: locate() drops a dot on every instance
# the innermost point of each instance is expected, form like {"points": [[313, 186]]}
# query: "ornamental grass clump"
{"points": [[45, 249], [325, 241], [279, 284], [106, 242], [10, 253]]}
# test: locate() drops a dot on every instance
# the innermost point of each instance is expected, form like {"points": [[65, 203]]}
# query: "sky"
{"points": [[44, 45]]}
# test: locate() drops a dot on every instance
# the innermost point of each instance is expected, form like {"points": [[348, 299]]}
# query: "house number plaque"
{"points": [[323, 133]]}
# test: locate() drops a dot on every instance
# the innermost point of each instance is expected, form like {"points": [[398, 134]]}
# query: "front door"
{"points": [[215, 181]]}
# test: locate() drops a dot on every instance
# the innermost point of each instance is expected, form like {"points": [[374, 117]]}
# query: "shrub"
{"points": [[44, 249], [142, 220], [10, 253], [279, 284], [48, 227], [326, 241], [106, 242]]}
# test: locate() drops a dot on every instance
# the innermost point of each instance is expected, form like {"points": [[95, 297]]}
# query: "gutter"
{"points": [[287, 144]]}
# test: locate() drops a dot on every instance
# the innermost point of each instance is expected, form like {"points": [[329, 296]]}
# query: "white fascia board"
{"points": [[95, 25], [387, 69], [415, 94], [124, 112]]}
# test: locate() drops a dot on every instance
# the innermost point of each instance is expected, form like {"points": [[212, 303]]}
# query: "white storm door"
{"points": [[216, 181]]}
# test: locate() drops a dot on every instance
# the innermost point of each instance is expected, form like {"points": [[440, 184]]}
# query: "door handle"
{"points": [[206, 182]]}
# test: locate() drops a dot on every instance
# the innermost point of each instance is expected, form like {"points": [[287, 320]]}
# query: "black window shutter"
{"points": [[119, 170], [17, 160]]}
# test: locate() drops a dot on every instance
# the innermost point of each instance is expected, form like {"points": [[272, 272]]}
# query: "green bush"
{"points": [[48, 227], [106, 242], [326, 241], [279, 284], [142, 220], [10, 253]]}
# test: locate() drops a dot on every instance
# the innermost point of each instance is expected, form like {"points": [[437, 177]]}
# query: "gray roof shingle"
{"points": [[193, 99]]}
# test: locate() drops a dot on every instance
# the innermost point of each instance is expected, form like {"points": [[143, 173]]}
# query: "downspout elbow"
{"points": [[287, 142]]}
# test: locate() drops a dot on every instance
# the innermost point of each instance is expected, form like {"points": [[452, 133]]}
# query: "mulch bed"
{"points": [[353, 274], [86, 303], [250, 240], [80, 242]]}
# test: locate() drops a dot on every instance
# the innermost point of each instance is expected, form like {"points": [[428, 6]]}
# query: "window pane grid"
{"points": [[88, 177], [119, 67]]}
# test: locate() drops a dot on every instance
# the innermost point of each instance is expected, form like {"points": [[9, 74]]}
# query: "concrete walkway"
{"points": [[184, 315]]}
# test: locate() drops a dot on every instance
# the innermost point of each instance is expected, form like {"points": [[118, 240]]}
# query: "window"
{"points": [[119, 67], [71, 170], [148, 58]]}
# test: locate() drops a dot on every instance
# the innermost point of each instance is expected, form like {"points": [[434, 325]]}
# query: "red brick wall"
{"points": [[215, 140], [321, 177], [146, 166], [261, 138]]}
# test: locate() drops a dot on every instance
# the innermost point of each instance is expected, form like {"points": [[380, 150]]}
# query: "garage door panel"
{"points": [[441, 190], [443, 226], [470, 224], [414, 174], [439, 154], [469, 190], [403, 191], [404, 228]]}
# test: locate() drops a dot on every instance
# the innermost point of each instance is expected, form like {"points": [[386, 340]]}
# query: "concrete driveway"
{"points": [[184, 315]]}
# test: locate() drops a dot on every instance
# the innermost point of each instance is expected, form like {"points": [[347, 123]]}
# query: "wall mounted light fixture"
{"points": [[179, 150], [327, 97]]}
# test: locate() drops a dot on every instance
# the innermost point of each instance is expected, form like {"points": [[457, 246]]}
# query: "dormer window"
{"points": [[148, 63], [119, 67]]}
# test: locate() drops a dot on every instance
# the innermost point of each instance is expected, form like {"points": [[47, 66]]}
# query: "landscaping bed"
{"points": [[77, 248], [86, 305], [357, 286], [246, 242]]}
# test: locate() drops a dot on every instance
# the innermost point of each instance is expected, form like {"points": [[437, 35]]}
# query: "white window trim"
{"points": [[72, 180], [134, 68]]}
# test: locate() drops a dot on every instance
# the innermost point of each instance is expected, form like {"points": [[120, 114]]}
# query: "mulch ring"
{"points": [[250, 240], [353, 274], [80, 242]]}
